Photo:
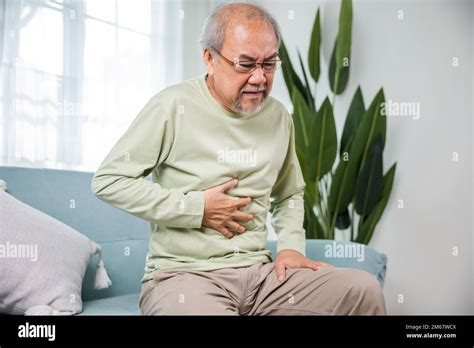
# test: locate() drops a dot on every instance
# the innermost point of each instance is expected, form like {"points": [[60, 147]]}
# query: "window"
{"points": [[117, 71], [74, 74]]}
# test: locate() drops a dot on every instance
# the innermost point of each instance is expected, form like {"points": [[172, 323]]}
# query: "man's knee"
{"points": [[364, 290], [361, 280]]}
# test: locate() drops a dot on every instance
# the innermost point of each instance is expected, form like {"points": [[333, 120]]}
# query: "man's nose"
{"points": [[258, 76]]}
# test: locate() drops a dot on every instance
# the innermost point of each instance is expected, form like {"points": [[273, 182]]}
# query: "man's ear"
{"points": [[209, 61]]}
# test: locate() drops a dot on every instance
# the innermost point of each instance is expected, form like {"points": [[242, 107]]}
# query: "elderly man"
{"points": [[219, 148]]}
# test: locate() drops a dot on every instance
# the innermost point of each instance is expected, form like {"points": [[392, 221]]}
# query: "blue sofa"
{"points": [[123, 237]]}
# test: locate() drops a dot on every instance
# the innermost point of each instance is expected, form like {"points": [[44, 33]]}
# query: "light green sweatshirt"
{"points": [[189, 143]]}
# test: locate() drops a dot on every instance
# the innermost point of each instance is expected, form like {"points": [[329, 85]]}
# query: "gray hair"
{"points": [[214, 27]]}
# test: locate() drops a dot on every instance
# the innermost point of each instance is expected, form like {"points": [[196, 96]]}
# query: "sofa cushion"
{"points": [[117, 305], [42, 261]]}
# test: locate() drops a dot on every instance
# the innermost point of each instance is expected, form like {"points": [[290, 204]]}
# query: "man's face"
{"points": [[236, 91]]}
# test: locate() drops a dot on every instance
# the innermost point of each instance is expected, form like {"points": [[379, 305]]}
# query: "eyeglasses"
{"points": [[248, 66]]}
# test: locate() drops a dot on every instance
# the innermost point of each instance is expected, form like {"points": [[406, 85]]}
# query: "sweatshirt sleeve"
{"points": [[120, 180], [288, 205]]}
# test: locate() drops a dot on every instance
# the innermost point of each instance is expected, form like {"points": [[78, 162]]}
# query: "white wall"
{"points": [[412, 59]]}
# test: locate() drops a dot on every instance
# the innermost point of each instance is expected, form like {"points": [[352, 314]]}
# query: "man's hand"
{"points": [[221, 213], [293, 259]]}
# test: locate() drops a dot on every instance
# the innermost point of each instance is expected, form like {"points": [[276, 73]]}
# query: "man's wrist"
{"points": [[197, 200]]}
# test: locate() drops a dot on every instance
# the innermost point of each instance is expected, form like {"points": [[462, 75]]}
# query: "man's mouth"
{"points": [[253, 93]]}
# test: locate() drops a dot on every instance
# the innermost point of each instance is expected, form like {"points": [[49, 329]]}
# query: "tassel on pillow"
{"points": [[102, 280]]}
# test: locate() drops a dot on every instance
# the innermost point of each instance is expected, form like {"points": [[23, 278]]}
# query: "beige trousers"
{"points": [[255, 290]]}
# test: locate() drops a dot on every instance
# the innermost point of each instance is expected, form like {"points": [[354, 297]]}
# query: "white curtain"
{"points": [[75, 73]]}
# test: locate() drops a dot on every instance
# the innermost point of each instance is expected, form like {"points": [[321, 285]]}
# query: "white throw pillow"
{"points": [[42, 261]]}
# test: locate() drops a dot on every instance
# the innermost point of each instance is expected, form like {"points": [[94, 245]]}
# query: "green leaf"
{"points": [[322, 149], [343, 47], [367, 228], [353, 119], [372, 124], [341, 190], [342, 74], [309, 96], [310, 191], [313, 228], [343, 220], [292, 79], [301, 121], [286, 67], [314, 47], [302, 162], [370, 180]]}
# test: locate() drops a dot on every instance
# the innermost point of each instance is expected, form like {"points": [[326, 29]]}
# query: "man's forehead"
{"points": [[251, 40]]}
